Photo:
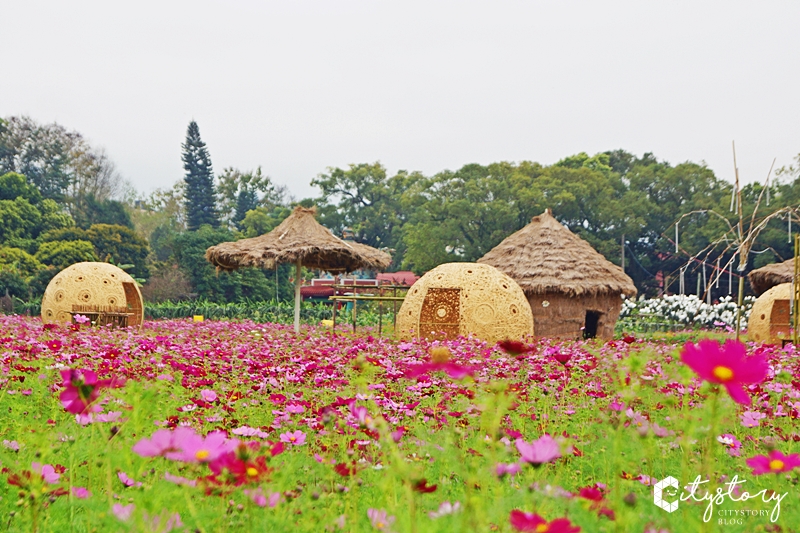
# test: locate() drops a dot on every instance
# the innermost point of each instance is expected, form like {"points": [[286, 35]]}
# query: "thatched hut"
{"points": [[764, 278], [301, 240], [572, 289]]}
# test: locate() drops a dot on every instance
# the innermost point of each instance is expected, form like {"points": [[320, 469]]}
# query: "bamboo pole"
{"points": [[298, 266]]}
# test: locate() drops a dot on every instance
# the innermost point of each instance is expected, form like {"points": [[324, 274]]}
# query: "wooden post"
{"points": [[298, 267]]}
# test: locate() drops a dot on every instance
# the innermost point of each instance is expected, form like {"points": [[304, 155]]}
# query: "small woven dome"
{"points": [[770, 319], [465, 298], [101, 286]]}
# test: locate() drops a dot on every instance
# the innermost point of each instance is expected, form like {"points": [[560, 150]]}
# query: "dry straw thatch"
{"points": [[299, 237], [545, 257], [764, 278], [301, 240]]}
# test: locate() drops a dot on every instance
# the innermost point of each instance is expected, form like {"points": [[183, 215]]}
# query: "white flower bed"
{"points": [[688, 310]]}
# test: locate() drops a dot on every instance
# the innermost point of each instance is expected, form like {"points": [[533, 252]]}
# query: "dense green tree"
{"points": [[248, 283], [59, 163], [365, 201], [240, 192], [19, 261], [199, 194], [12, 284], [262, 220], [94, 211], [121, 245], [61, 254]]}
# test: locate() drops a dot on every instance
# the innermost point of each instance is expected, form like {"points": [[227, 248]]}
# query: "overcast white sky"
{"points": [[299, 86]]}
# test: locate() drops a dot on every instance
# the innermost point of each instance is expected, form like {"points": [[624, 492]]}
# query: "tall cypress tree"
{"points": [[200, 198]]}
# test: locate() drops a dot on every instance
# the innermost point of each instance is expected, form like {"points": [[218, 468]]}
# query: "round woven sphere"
{"points": [[769, 318], [465, 299], [91, 284]]}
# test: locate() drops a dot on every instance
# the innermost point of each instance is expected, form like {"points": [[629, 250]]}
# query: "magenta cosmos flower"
{"points": [[774, 463], [542, 450], [295, 438], [82, 388], [522, 521], [727, 365], [196, 448], [164, 442]]}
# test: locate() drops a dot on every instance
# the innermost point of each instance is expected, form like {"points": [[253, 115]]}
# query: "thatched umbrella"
{"points": [[764, 278], [562, 276], [301, 240]]}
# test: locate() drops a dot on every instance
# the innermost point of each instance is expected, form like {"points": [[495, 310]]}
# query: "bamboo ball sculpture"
{"points": [[465, 298], [770, 319], [99, 286]]}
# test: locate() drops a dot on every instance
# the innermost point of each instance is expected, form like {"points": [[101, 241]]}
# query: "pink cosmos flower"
{"points": [[380, 519], [727, 365], [123, 512], [128, 482], [453, 370], [522, 521], [295, 438], [501, 469], [750, 418], [81, 493], [731, 443], [164, 443], [164, 522], [82, 388], [775, 463], [542, 450], [208, 395], [80, 319], [196, 448], [445, 509], [47, 472], [178, 480], [260, 499]]}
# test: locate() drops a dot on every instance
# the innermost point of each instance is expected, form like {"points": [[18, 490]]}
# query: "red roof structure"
{"points": [[404, 277]]}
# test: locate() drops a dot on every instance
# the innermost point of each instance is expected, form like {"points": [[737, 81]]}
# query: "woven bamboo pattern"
{"points": [[770, 320], [465, 299], [91, 287]]}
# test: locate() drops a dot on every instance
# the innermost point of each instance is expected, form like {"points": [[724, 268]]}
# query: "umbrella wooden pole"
{"points": [[297, 281]]}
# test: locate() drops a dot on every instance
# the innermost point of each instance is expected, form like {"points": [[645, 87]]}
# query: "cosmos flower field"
{"points": [[238, 426]]}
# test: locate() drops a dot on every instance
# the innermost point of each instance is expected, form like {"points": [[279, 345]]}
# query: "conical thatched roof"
{"points": [[545, 257], [300, 236], [764, 278]]}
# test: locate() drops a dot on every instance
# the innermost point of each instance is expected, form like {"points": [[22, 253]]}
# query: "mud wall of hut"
{"points": [[560, 316]]}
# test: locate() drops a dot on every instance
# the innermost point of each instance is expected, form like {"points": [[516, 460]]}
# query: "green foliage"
{"points": [[258, 311], [12, 284], [61, 254], [18, 261], [247, 283], [93, 211], [262, 220], [240, 192], [121, 245], [199, 195], [362, 199]]}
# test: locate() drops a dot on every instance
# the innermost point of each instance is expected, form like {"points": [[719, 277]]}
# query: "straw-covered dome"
{"points": [[300, 236], [764, 278], [546, 257]]}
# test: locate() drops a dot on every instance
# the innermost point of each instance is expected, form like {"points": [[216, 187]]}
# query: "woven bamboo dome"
{"points": [[572, 289], [92, 288], [465, 299], [299, 237], [764, 278], [770, 318], [301, 240]]}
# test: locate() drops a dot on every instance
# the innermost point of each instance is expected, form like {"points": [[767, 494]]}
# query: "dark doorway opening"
{"points": [[590, 326]]}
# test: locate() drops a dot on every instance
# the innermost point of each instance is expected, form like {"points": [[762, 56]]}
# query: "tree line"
{"points": [[62, 201]]}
